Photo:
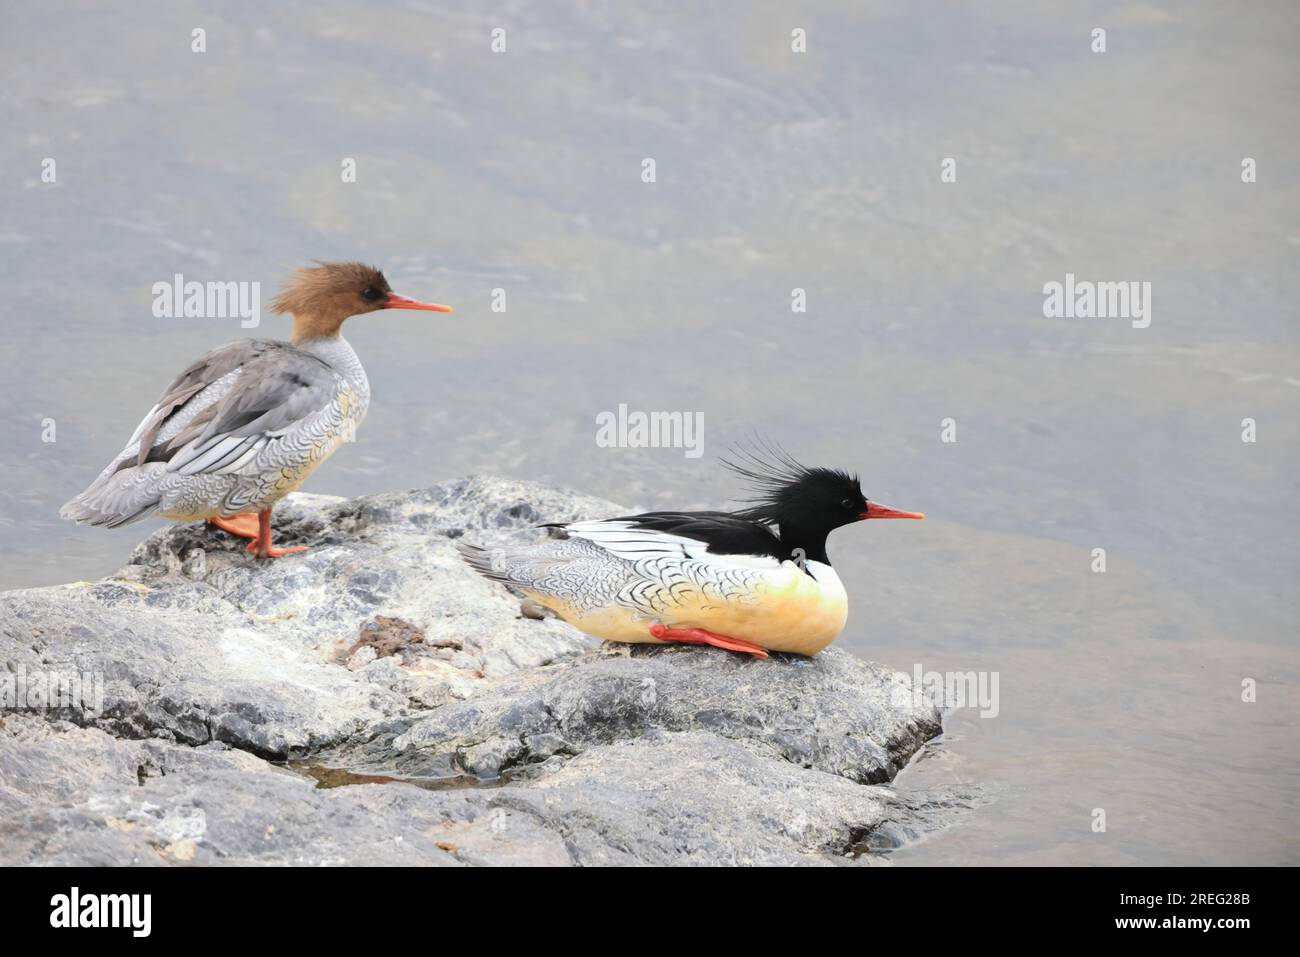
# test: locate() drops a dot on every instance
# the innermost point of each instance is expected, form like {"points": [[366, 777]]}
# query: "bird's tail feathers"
{"points": [[116, 498]]}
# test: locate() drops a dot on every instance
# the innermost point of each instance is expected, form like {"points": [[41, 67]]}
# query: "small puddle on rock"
{"points": [[326, 777]]}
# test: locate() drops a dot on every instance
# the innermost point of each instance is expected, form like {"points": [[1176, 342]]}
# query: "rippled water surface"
{"points": [[775, 170]]}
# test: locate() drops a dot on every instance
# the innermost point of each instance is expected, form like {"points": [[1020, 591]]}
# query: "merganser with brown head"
{"points": [[753, 580], [247, 423]]}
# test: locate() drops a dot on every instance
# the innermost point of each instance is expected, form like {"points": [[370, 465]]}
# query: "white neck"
{"points": [[338, 354]]}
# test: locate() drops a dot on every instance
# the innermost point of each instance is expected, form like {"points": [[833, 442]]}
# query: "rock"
{"points": [[372, 700], [532, 608], [831, 713], [383, 636]]}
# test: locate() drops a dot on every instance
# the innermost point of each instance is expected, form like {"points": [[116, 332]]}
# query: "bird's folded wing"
{"points": [[232, 403], [718, 537]]}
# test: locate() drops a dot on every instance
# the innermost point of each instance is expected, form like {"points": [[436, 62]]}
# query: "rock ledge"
{"points": [[372, 701]]}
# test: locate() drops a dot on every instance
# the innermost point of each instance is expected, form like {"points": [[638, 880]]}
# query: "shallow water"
{"points": [[775, 170]]}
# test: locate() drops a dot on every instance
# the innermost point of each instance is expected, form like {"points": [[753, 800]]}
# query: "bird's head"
{"points": [[811, 500], [321, 297]]}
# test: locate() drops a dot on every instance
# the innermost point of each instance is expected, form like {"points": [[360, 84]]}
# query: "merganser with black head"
{"points": [[753, 580], [247, 423]]}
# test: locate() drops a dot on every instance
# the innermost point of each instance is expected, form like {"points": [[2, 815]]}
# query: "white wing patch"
{"points": [[626, 541], [139, 429], [218, 455]]}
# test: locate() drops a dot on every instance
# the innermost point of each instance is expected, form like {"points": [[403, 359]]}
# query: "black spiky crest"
{"points": [[785, 491]]}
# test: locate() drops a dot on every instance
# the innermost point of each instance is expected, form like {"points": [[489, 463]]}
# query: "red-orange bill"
{"points": [[395, 301], [876, 510]]}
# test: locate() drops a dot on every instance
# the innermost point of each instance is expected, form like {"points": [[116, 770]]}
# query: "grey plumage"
{"points": [[234, 432], [248, 422], [602, 564]]}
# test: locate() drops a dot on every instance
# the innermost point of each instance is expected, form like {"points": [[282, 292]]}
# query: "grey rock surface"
{"points": [[373, 701]]}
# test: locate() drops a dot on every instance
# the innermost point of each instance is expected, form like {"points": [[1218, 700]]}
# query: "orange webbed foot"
{"points": [[261, 547], [254, 548], [244, 524], [702, 636]]}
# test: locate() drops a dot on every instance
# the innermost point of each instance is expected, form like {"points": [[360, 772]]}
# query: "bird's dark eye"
{"points": [[371, 294], [847, 503]]}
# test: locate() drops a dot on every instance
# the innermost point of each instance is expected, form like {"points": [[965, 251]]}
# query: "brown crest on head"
{"points": [[321, 297]]}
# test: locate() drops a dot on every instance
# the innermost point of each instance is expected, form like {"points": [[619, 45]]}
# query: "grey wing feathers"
{"points": [[263, 404], [276, 386], [480, 559], [215, 417], [201, 374], [572, 569]]}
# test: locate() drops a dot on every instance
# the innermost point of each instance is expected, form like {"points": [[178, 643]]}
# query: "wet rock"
{"points": [[372, 700]]}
